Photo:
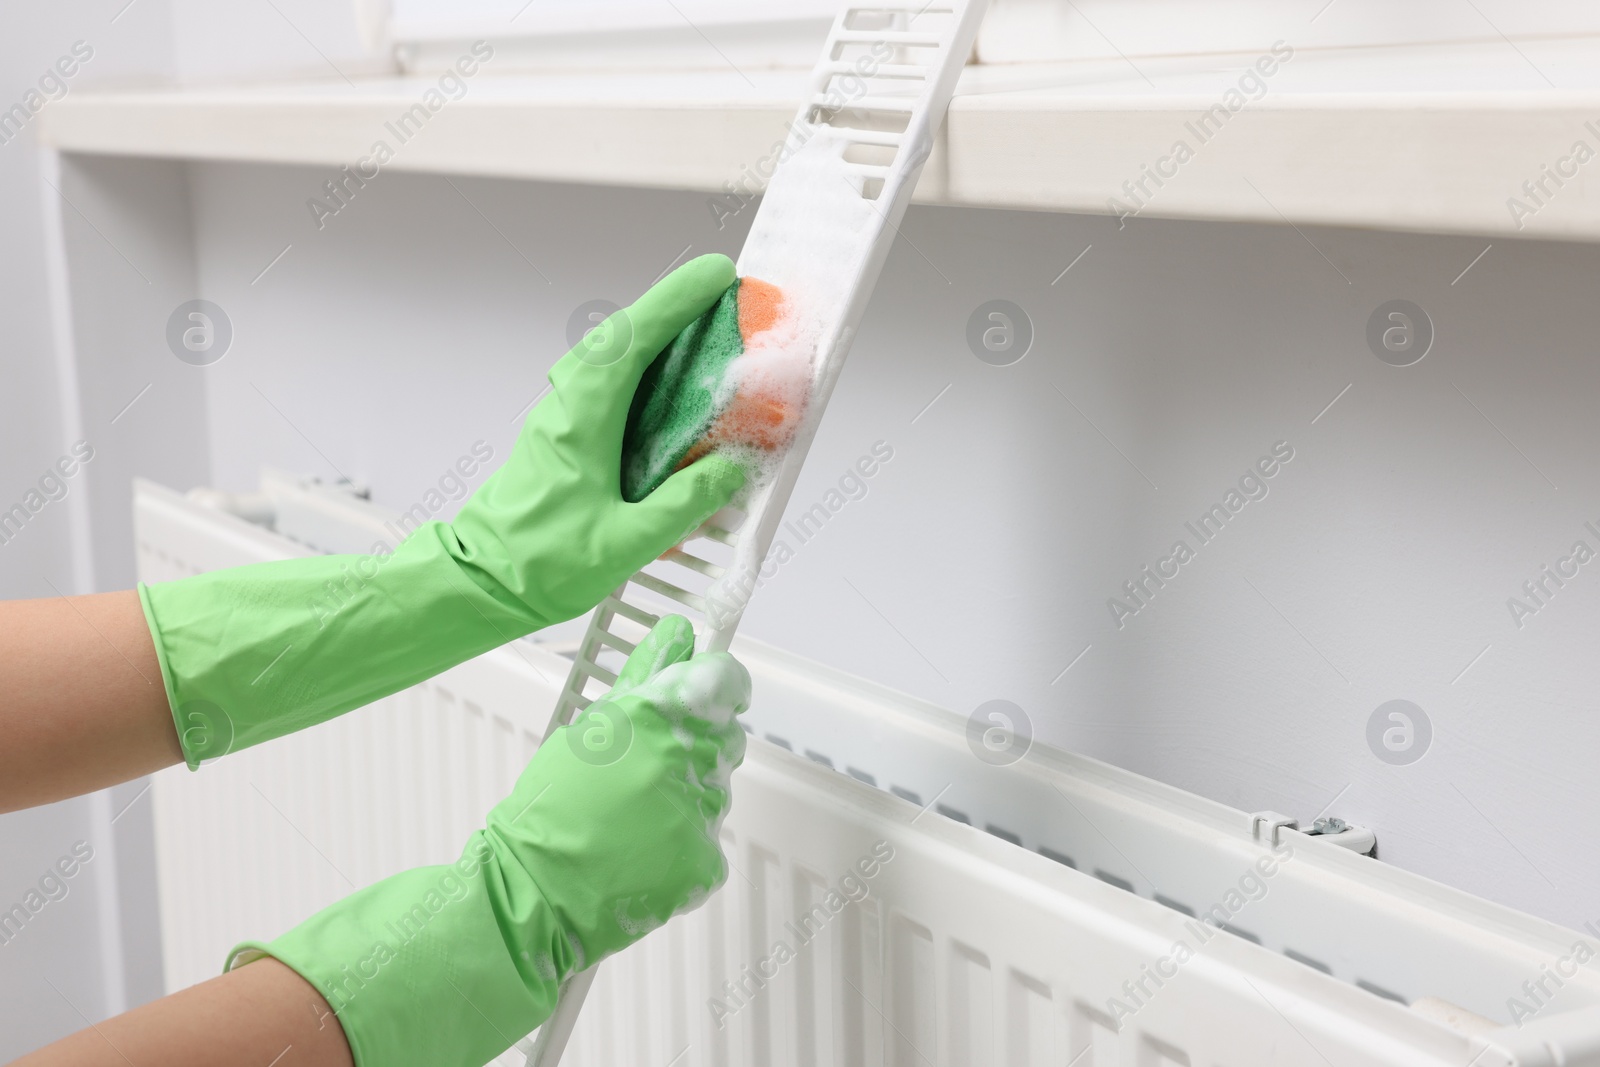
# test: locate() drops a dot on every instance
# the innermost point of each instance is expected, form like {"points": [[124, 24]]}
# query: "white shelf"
{"points": [[1433, 139]]}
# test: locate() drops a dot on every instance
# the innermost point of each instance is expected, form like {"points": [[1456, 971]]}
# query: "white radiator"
{"points": [[1045, 913]]}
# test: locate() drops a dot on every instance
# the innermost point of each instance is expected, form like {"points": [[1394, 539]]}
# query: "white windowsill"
{"points": [[1428, 139]]}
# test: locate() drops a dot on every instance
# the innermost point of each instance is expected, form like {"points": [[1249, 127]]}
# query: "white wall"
{"points": [[97, 950], [980, 562], [978, 565]]}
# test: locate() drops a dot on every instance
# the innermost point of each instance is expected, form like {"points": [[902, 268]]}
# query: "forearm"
{"points": [[260, 1014], [84, 705]]}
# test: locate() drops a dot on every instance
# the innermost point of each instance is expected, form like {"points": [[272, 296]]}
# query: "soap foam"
{"points": [[764, 395], [736, 383]]}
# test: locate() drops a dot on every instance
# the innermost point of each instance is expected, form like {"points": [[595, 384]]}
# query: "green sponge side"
{"points": [[676, 400]]}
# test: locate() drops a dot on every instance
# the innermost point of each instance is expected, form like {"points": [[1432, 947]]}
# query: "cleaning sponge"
{"points": [[735, 382]]}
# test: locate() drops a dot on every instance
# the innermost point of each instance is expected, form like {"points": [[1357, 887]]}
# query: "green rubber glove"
{"points": [[257, 652], [612, 829]]}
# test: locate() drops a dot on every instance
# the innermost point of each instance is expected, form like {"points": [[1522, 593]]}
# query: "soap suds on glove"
{"points": [[700, 699]]}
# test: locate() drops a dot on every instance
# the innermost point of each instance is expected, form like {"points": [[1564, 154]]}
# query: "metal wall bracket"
{"points": [[1358, 839], [1335, 830]]}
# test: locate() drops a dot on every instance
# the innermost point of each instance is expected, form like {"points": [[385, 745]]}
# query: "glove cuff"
{"points": [[191, 755], [252, 653]]}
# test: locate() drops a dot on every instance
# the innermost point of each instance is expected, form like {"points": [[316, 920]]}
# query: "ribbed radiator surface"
{"points": [[924, 908]]}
